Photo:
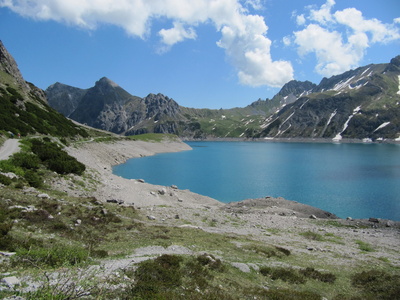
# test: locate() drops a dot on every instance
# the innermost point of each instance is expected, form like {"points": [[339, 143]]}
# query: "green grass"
{"points": [[364, 246], [153, 137]]}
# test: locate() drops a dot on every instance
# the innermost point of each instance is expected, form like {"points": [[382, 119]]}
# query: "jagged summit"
{"points": [[296, 88], [106, 81]]}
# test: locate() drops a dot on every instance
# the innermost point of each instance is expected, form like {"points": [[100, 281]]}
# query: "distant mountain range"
{"points": [[358, 104]]}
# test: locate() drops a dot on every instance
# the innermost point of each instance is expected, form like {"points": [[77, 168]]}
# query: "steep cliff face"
{"points": [[64, 98]]}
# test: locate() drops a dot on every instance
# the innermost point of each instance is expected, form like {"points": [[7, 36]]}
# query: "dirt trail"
{"points": [[9, 147]]}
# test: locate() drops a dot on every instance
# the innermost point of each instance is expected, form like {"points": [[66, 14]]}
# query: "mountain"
{"points": [[23, 106], [109, 107], [360, 104]]}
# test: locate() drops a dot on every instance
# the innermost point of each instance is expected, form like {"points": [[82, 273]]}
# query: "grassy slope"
{"points": [[64, 235]]}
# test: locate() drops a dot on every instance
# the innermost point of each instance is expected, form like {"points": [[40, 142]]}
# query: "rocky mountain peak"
{"points": [[104, 81], [8, 65], [395, 61], [296, 88]]}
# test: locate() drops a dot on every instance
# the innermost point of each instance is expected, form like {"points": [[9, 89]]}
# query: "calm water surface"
{"points": [[357, 180]]}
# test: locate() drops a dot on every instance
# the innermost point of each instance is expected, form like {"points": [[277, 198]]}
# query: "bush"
{"points": [[317, 275], [5, 238], [33, 178], [55, 158], [156, 276], [5, 180], [286, 274], [26, 160], [377, 284]]}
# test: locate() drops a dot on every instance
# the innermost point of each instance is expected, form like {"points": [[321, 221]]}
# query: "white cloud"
{"points": [[176, 34], [255, 4], [287, 41], [396, 20], [243, 35], [337, 51], [333, 56], [300, 20], [380, 32], [323, 15]]}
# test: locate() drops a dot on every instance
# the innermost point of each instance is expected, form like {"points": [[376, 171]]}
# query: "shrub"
{"points": [[317, 275], [5, 238], [33, 178], [377, 284], [5, 180], [286, 294], [286, 274], [26, 160], [159, 275], [55, 158]]}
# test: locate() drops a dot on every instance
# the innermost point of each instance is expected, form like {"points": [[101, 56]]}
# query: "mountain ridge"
{"points": [[301, 109]]}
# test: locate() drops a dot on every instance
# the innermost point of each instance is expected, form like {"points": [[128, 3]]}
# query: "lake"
{"points": [[356, 180]]}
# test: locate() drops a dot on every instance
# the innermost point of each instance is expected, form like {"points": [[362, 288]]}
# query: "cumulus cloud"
{"points": [[337, 51], [176, 34], [243, 35]]}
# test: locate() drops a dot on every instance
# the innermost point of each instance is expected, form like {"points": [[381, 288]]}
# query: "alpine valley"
{"points": [[359, 104]]}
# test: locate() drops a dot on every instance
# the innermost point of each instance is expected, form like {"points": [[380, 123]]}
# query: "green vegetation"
{"points": [[72, 233], [33, 162], [364, 246], [17, 115], [375, 284], [153, 137]]}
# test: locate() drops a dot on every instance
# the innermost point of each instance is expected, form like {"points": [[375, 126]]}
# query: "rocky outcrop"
{"points": [[9, 66], [64, 98]]}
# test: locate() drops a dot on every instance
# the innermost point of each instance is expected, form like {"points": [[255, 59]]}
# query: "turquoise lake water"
{"points": [[357, 180]]}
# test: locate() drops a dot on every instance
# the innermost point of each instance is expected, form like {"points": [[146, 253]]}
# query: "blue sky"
{"points": [[201, 53]]}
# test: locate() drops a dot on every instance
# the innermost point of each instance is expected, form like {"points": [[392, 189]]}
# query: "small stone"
{"points": [[151, 218], [141, 180], [313, 217], [43, 196], [153, 193], [104, 211], [112, 201], [180, 200], [50, 217], [174, 187], [177, 217], [163, 191], [349, 219], [11, 281], [374, 220], [389, 223], [79, 221]]}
